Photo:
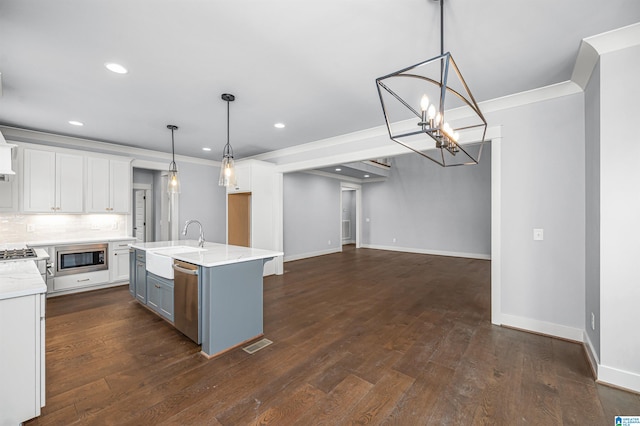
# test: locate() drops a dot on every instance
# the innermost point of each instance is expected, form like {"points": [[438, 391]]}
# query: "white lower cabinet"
{"points": [[119, 261], [22, 352], [85, 279]]}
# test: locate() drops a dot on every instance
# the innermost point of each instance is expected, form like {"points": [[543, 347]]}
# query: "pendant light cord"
{"points": [[173, 149], [442, 27]]}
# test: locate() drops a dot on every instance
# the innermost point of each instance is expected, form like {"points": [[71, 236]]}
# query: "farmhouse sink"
{"points": [[159, 261]]}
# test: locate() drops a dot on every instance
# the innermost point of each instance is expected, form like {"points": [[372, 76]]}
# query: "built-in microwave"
{"points": [[74, 259]]}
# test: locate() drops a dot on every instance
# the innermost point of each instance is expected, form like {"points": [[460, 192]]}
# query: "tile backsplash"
{"points": [[19, 228]]}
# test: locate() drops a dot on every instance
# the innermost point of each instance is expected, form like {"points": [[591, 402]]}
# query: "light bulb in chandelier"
{"points": [[424, 103], [431, 112]]}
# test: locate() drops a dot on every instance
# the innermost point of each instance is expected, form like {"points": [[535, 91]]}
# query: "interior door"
{"points": [[139, 213], [239, 219]]}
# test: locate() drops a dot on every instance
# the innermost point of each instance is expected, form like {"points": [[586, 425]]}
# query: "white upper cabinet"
{"points": [[52, 182], [120, 190], [243, 178], [108, 185], [69, 182]]}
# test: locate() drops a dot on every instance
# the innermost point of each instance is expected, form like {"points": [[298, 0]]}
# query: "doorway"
{"points": [[350, 213], [142, 212], [239, 219]]}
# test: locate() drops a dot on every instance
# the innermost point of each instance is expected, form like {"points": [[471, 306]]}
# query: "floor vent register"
{"points": [[255, 347]]}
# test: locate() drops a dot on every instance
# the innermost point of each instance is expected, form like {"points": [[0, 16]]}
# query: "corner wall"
{"points": [[542, 186], [311, 215], [592, 217], [619, 214]]}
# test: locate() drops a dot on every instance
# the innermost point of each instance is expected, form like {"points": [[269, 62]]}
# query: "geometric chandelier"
{"points": [[427, 91]]}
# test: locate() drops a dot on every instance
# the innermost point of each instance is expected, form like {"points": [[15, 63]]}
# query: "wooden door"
{"points": [[239, 219]]}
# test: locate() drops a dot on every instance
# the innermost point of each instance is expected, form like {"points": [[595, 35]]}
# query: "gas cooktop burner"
{"points": [[17, 254]]}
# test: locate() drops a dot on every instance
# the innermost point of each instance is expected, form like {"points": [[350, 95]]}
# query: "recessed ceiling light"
{"points": [[366, 176], [76, 123], [338, 170], [279, 125], [117, 68], [206, 149]]}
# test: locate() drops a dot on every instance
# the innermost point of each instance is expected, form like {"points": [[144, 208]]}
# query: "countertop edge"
{"points": [[196, 257], [45, 243]]}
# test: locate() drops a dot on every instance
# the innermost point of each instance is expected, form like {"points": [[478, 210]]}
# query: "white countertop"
{"points": [[20, 278], [214, 254]]}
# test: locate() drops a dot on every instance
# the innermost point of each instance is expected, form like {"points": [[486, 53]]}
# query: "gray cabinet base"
{"points": [[231, 305]]}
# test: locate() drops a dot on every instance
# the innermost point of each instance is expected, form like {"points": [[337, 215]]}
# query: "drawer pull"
{"points": [[86, 279]]}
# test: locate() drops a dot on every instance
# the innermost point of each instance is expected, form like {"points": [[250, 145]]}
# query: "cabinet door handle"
{"points": [[184, 270], [156, 286]]}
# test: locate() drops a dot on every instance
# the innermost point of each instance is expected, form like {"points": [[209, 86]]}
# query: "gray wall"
{"points": [[592, 204], [542, 186], [143, 176], [311, 213], [430, 208], [202, 199]]}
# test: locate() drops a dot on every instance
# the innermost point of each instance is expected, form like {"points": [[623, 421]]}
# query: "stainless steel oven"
{"points": [[81, 258]]}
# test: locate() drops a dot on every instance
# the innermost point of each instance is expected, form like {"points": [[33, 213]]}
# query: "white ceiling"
{"points": [[311, 65]]}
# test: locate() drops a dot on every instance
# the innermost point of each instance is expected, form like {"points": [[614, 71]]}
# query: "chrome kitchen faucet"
{"points": [[201, 238]]}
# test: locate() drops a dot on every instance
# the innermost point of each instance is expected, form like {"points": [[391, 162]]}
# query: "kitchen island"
{"points": [[213, 294]]}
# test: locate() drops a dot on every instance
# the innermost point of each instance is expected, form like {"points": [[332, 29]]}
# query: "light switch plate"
{"points": [[538, 234]]}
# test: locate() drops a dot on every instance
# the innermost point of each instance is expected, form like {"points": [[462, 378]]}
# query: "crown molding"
{"points": [[43, 138], [591, 48]]}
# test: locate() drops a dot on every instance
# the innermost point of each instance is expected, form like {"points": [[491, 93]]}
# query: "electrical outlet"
{"points": [[593, 321], [394, 240], [329, 242], [367, 220], [114, 225], [31, 227], [538, 234]]}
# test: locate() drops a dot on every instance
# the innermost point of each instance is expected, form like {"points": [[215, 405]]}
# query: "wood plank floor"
{"points": [[360, 337]]}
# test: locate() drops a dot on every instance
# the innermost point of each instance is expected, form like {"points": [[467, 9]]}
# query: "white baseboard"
{"points": [[426, 251], [542, 327], [619, 378], [311, 254]]}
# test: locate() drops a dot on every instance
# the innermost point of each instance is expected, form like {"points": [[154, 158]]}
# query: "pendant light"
{"points": [[407, 94], [227, 169], [174, 183]]}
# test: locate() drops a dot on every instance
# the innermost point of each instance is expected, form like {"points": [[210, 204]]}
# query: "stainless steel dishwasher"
{"points": [[185, 299]]}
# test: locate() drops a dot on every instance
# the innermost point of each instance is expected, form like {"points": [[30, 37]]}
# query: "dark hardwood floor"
{"points": [[361, 337]]}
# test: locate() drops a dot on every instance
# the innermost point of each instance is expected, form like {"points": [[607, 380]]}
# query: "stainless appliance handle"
{"points": [[184, 270]]}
